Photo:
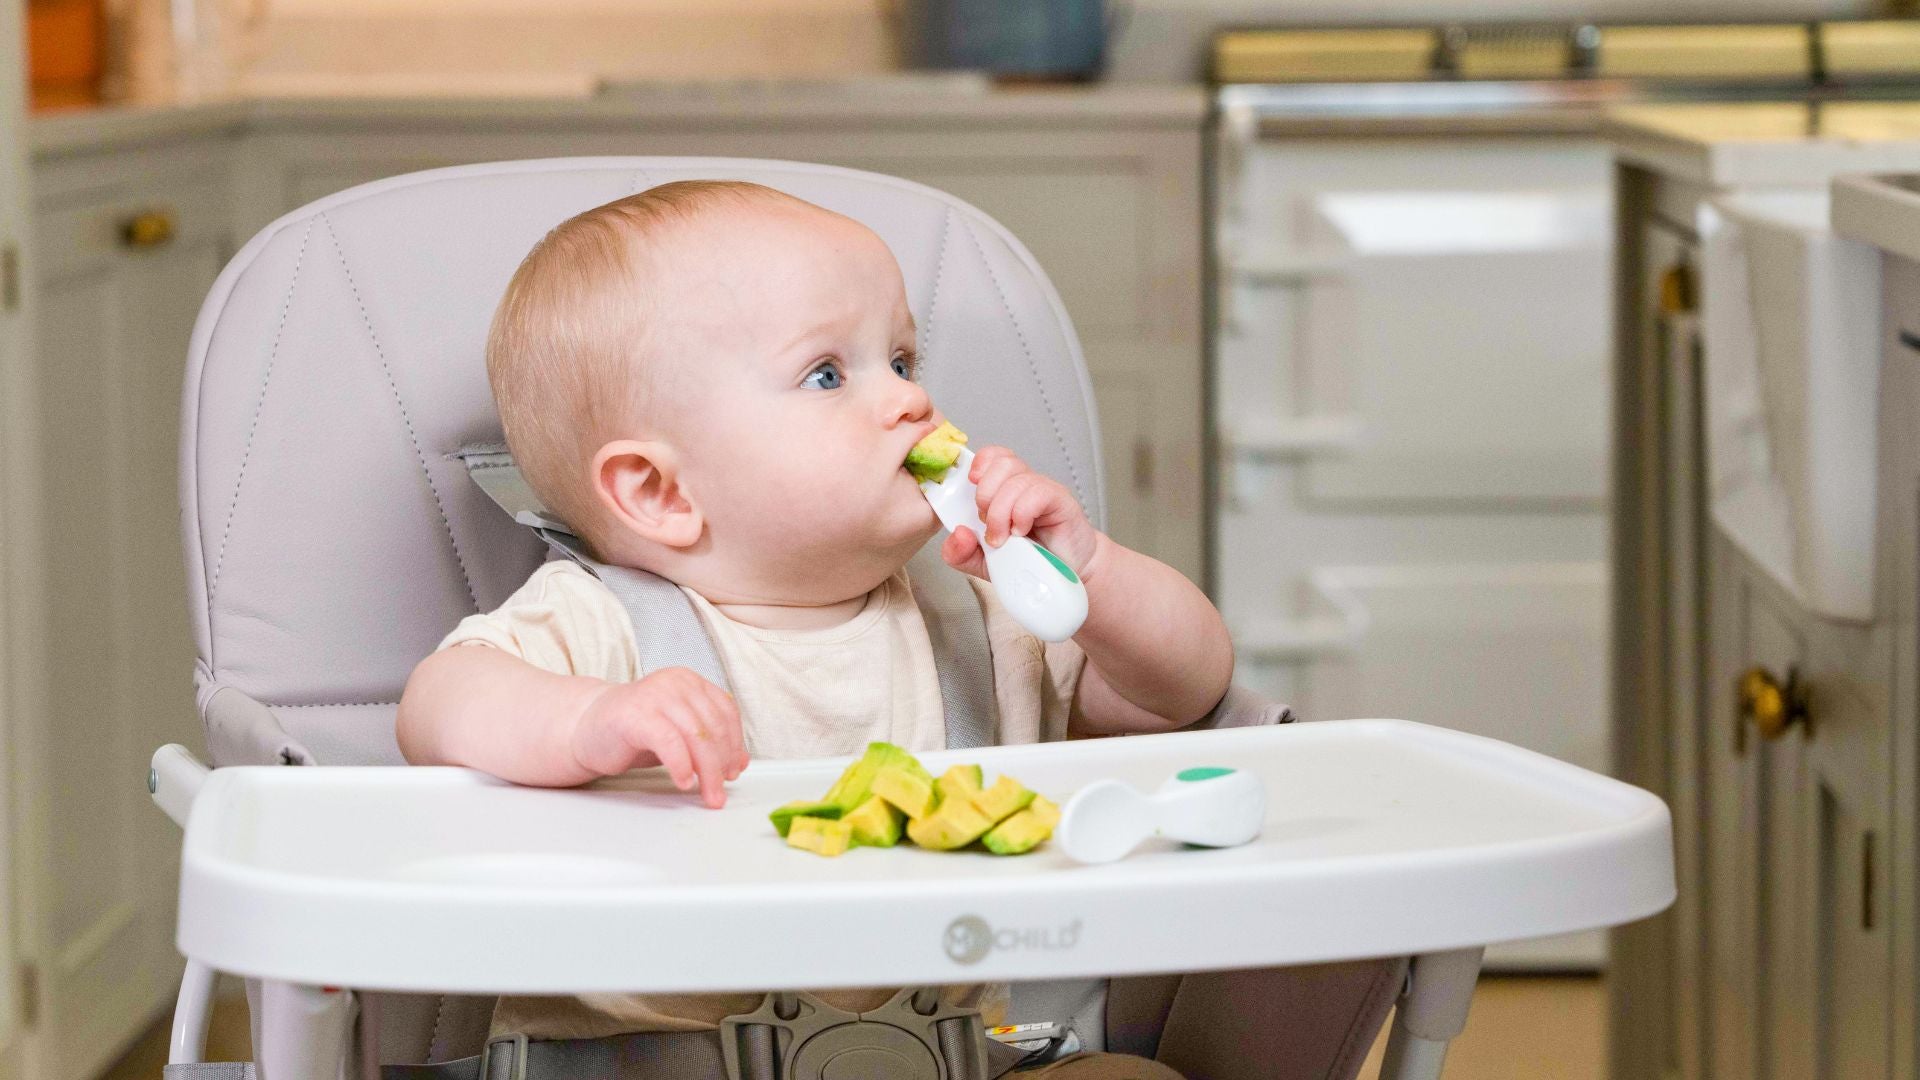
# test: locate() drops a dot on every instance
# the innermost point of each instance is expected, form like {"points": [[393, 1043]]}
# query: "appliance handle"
{"points": [[1244, 450], [1294, 271], [1338, 631]]}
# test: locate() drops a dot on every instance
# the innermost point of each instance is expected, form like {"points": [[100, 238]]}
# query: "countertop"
{"points": [[1767, 144], [1880, 210], [663, 107]]}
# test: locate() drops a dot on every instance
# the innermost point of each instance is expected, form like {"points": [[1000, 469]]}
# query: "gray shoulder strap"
{"points": [[666, 629], [669, 632], [957, 629]]}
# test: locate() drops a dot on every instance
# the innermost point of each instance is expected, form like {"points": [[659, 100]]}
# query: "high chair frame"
{"points": [[321, 568]]}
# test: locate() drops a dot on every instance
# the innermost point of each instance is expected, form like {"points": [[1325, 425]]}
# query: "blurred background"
{"points": [[1345, 274]]}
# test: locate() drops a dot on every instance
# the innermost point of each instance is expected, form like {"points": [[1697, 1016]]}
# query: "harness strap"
{"points": [[668, 632], [957, 630], [682, 1055], [687, 1054]]}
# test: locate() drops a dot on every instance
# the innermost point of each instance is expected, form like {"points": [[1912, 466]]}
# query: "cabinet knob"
{"points": [[1677, 290], [148, 229], [1771, 706]]}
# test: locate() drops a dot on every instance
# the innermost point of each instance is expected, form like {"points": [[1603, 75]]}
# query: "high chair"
{"points": [[334, 395]]}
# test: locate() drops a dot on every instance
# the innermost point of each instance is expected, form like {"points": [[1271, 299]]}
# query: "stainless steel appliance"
{"points": [[1412, 244]]}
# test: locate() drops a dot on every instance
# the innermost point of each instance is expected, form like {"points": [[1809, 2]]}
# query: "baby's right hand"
{"points": [[672, 717]]}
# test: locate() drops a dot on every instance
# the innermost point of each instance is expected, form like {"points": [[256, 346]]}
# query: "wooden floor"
{"points": [[1521, 1028]]}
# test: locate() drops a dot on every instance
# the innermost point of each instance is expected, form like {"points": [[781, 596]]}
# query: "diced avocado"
{"points": [[955, 824], [820, 835], [911, 790], [960, 780], [783, 816], [875, 824], [854, 787], [1005, 798], [1025, 830], [932, 456]]}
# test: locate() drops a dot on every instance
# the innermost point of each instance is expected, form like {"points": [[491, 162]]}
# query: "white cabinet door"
{"points": [[128, 245], [19, 724]]}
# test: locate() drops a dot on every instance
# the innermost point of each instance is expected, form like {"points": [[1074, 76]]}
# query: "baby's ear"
{"points": [[638, 484]]}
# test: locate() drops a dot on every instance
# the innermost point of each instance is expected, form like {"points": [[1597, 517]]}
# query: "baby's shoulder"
{"points": [[562, 581]]}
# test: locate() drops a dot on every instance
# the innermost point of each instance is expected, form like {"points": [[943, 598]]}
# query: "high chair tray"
{"points": [[1382, 838]]}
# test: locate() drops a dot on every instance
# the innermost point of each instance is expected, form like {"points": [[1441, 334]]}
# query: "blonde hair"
{"points": [[566, 349]]}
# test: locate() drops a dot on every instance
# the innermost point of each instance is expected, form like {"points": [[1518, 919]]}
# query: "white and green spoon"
{"points": [[1041, 592], [1208, 807]]}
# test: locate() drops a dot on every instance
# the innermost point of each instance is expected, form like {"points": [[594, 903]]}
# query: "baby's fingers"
{"points": [[989, 478], [723, 715], [962, 552], [1036, 502], [998, 517], [665, 740], [711, 755]]}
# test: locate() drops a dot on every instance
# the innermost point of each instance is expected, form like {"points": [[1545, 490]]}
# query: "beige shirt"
{"points": [[801, 693]]}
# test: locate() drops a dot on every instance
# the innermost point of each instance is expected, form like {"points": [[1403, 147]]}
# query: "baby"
{"points": [[645, 355]]}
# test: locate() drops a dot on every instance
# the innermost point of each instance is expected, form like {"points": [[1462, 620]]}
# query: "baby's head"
{"points": [[716, 382]]}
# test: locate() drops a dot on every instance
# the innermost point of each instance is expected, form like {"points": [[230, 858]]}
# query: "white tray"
{"points": [[1382, 838]]}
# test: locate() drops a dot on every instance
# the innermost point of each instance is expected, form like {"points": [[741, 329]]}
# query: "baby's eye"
{"points": [[904, 366], [825, 377]]}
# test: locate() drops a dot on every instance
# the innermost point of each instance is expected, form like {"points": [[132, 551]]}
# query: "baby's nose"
{"points": [[910, 405]]}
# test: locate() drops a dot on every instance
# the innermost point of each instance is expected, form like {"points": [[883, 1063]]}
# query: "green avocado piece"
{"points": [[1005, 798], [875, 824], [932, 456], [783, 817], [1023, 831], [820, 836], [959, 781], [854, 787], [955, 824], [910, 790]]}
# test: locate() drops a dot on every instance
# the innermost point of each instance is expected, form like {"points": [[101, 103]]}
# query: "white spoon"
{"points": [[1209, 806], [1042, 593]]}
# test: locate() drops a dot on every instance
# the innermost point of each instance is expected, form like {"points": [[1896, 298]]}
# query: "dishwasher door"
{"points": [[1410, 398]]}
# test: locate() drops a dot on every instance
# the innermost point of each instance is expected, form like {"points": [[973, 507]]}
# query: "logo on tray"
{"points": [[970, 938]]}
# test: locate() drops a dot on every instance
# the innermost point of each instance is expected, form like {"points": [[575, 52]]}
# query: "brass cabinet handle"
{"points": [[1677, 289], [149, 228], [1771, 706]]}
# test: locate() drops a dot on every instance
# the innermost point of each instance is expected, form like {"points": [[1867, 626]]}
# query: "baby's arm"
{"points": [[1158, 654], [484, 708]]}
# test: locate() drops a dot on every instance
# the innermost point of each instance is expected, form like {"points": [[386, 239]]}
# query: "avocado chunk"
{"points": [[909, 789], [932, 456], [1005, 798], [955, 824], [959, 781], [875, 824], [783, 817], [854, 787], [1023, 831], [820, 836]]}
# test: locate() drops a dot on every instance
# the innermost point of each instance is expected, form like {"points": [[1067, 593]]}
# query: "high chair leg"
{"points": [[305, 1032], [1431, 1012], [192, 1011]]}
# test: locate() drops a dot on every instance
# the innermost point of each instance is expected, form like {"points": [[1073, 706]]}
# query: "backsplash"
{"points": [[566, 46]]}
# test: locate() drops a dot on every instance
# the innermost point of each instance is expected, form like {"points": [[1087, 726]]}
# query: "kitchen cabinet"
{"points": [[1776, 730], [126, 245], [22, 730], [1107, 197]]}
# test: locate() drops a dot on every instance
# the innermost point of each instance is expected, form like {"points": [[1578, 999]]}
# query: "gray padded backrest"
{"points": [[331, 537]]}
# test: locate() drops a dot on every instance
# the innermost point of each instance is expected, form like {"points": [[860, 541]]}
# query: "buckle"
{"points": [[516, 1065]]}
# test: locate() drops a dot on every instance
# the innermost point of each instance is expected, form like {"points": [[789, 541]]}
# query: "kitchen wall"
{"points": [[560, 45]]}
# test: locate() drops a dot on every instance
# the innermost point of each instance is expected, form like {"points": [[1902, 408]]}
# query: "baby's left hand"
{"points": [[1018, 501]]}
